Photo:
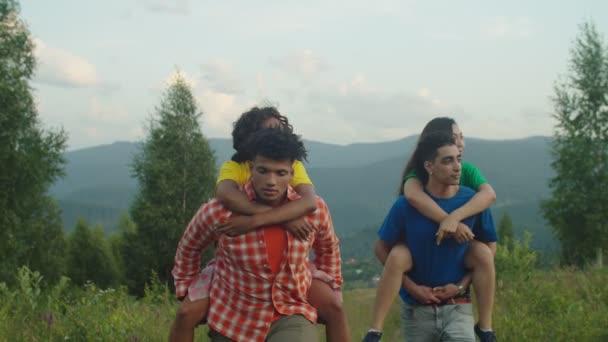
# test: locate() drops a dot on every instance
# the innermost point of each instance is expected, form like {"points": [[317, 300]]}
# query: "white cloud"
{"points": [[159, 87], [220, 110], [303, 64], [63, 68], [359, 110], [358, 85], [179, 7], [509, 27], [221, 76], [136, 133], [177, 74], [362, 102], [424, 92], [106, 112], [92, 132]]}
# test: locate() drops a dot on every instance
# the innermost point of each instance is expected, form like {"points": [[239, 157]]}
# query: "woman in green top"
{"points": [[480, 257]]}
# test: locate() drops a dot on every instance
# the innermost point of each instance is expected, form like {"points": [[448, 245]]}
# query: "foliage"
{"points": [[116, 243], [515, 259], [557, 305], [89, 258], [505, 230], [64, 312], [31, 159], [176, 173], [577, 210]]}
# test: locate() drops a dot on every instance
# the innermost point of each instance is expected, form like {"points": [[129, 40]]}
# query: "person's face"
{"points": [[458, 137], [271, 122], [270, 179], [445, 168]]}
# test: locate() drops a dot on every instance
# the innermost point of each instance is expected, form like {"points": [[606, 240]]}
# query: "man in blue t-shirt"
{"points": [[436, 304]]}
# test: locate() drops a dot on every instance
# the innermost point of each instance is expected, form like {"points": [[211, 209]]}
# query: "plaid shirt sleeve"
{"points": [[195, 239], [326, 246]]}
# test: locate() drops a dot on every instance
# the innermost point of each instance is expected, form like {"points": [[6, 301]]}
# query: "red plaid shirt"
{"points": [[244, 292]]}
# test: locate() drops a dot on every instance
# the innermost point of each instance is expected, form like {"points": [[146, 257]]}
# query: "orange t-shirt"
{"points": [[276, 244]]}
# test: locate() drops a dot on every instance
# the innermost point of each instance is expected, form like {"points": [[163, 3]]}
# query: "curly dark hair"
{"points": [[441, 124], [251, 122], [276, 143]]}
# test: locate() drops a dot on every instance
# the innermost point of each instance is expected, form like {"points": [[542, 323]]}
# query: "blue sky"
{"points": [[342, 71]]}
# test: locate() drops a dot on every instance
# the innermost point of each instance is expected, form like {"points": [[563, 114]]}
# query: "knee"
{"points": [[330, 309], [480, 255], [188, 315], [399, 259]]}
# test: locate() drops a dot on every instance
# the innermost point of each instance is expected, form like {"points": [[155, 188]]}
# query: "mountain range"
{"points": [[358, 181]]}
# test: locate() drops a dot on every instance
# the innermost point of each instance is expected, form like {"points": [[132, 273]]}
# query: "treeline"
{"points": [[531, 305], [175, 171]]}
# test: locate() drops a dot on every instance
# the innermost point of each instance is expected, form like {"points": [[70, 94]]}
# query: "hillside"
{"points": [[358, 181]]}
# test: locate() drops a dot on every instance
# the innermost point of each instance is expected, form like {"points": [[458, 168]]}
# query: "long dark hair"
{"points": [[441, 124], [427, 150], [251, 122]]}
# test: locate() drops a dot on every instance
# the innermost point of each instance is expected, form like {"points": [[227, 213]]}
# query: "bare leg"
{"points": [[322, 297], [398, 262], [189, 314], [480, 259]]}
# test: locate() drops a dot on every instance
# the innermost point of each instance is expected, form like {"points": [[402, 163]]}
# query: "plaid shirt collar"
{"points": [[292, 195]]}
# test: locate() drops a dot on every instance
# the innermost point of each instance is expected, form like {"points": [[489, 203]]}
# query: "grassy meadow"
{"points": [[559, 305]]}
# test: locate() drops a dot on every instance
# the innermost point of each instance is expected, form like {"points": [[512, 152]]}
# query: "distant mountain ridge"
{"points": [[358, 181]]}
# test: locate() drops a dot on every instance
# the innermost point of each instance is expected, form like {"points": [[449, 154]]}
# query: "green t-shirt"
{"points": [[470, 176]]}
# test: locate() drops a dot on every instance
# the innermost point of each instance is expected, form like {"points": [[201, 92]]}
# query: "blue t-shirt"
{"points": [[434, 265]]}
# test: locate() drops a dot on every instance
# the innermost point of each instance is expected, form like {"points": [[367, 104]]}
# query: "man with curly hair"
{"points": [[262, 277]]}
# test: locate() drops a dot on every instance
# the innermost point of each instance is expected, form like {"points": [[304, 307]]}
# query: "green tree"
{"points": [[516, 261], [577, 209], [176, 173], [117, 243], [31, 159], [505, 230], [89, 257]]}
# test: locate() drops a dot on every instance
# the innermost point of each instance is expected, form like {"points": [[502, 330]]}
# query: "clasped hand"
{"points": [[238, 225], [450, 227]]}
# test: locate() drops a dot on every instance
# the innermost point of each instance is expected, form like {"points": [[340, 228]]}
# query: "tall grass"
{"points": [[534, 305]]}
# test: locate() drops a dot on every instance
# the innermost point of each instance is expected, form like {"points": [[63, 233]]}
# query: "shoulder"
{"points": [[401, 202], [322, 214], [321, 205], [298, 166], [400, 206], [231, 164], [212, 210], [468, 167], [465, 191]]}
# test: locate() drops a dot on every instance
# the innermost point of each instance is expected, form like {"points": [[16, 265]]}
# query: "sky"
{"points": [[342, 71]]}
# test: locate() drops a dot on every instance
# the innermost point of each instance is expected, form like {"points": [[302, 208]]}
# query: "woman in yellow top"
{"points": [[233, 174]]}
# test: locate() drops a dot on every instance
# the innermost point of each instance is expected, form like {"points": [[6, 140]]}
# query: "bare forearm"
{"points": [[408, 283], [229, 194], [292, 210], [466, 280], [481, 201], [415, 195]]}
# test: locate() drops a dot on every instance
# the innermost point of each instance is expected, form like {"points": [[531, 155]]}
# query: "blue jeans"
{"points": [[422, 323]]}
